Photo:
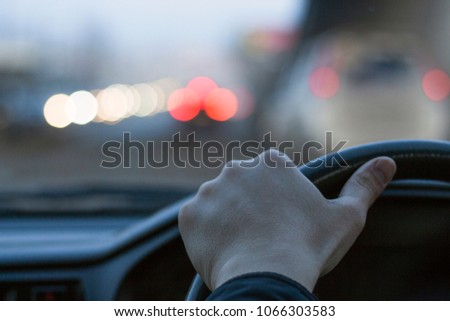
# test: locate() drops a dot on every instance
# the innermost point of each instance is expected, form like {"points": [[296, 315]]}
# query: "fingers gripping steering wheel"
{"points": [[424, 160]]}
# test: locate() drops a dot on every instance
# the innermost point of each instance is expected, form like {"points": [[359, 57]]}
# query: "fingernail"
{"points": [[385, 169]]}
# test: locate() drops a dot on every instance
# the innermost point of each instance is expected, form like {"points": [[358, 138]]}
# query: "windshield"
{"points": [[163, 93]]}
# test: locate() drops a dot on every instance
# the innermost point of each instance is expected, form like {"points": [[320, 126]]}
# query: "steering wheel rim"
{"points": [[416, 159]]}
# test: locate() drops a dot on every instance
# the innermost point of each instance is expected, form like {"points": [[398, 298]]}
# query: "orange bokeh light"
{"points": [[324, 82], [202, 86], [436, 84], [202, 93], [221, 104], [184, 104]]}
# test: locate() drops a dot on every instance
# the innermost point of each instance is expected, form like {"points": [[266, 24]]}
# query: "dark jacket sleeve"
{"points": [[261, 286]]}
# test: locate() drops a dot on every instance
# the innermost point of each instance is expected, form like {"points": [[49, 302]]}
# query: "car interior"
{"points": [[374, 73]]}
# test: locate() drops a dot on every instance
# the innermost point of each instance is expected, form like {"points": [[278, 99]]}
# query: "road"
{"points": [[48, 157]]}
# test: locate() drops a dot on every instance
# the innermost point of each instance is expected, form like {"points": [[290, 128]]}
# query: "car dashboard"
{"points": [[99, 244], [119, 250]]}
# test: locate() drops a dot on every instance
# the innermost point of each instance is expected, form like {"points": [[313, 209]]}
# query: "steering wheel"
{"points": [[423, 160]]}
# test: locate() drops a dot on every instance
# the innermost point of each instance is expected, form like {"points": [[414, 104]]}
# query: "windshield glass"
{"points": [[77, 74], [163, 93]]}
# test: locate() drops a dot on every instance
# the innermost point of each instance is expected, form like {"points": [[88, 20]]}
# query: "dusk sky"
{"points": [[134, 23]]}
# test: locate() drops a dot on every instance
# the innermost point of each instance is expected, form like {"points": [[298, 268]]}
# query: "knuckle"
{"points": [[186, 215], [368, 182], [232, 169], [272, 152], [206, 189], [275, 158], [232, 164]]}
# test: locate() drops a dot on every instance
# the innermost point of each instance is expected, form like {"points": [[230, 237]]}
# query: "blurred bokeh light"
{"points": [[436, 84], [82, 107], [184, 104], [203, 93], [55, 111], [221, 104], [324, 82]]}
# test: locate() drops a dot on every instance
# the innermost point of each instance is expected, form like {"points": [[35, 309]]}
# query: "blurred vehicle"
{"points": [[76, 75], [366, 72]]}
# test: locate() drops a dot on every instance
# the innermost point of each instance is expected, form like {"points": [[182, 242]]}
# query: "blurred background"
{"points": [[76, 74]]}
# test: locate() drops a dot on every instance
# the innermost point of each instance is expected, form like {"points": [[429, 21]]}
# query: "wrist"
{"points": [[304, 272]]}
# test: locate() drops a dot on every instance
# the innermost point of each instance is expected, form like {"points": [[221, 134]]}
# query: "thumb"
{"points": [[369, 181]]}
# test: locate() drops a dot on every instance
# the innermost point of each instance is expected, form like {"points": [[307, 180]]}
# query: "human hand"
{"points": [[273, 219]]}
